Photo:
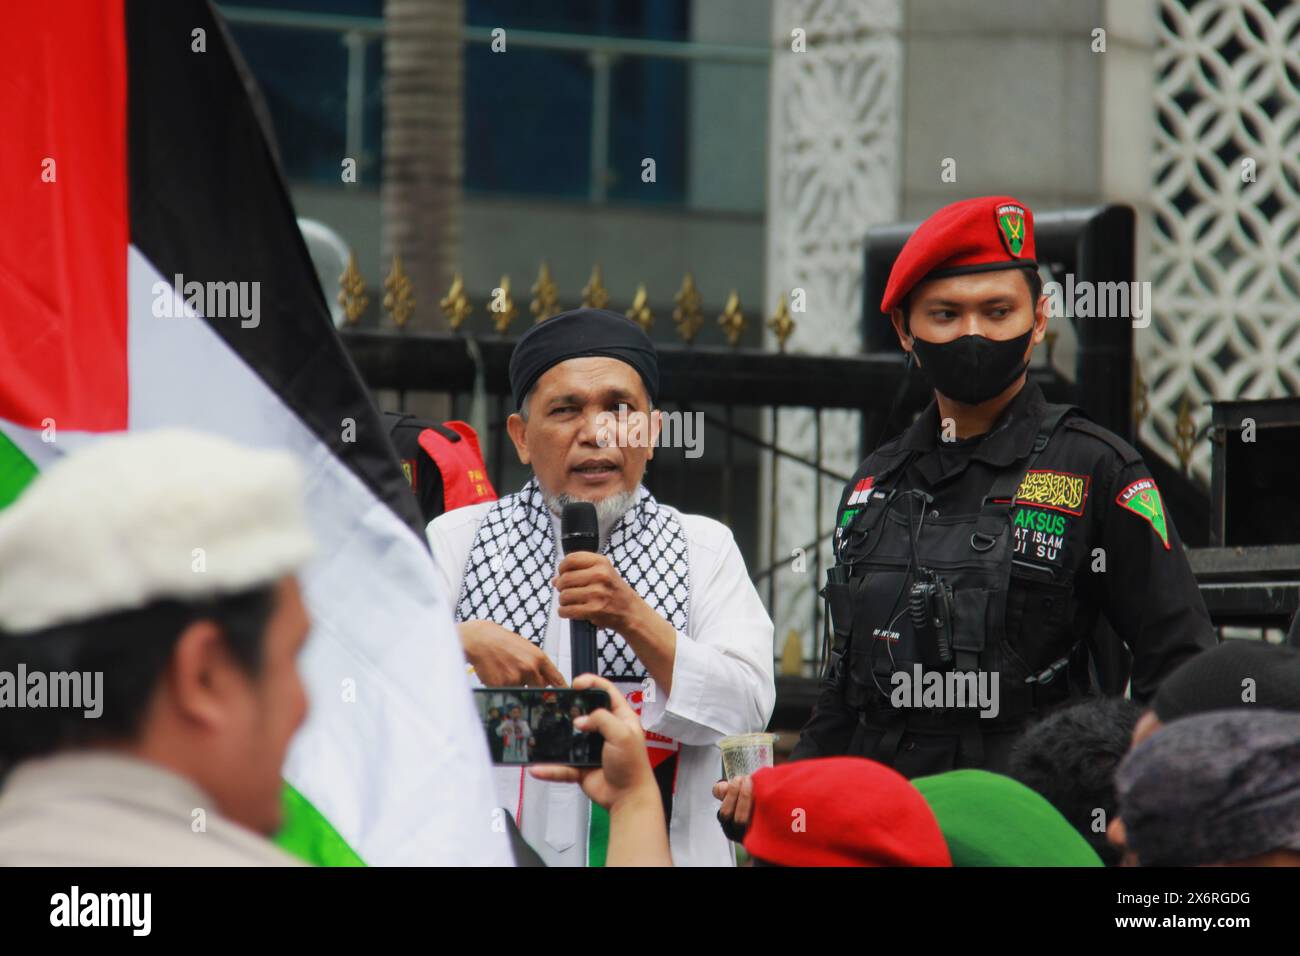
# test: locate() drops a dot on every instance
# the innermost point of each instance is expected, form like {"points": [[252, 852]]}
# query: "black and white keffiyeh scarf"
{"points": [[514, 556]]}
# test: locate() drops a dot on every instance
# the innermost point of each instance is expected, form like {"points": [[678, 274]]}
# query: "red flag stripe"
{"points": [[63, 192]]}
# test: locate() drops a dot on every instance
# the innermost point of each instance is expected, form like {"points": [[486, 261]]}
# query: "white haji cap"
{"points": [[119, 524]]}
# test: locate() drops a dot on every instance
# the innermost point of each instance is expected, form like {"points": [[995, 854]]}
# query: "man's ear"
{"points": [[900, 329], [202, 674], [656, 423], [1040, 319], [1116, 834], [516, 426]]}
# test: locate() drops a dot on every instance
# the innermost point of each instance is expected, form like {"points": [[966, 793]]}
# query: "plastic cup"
{"points": [[747, 753]]}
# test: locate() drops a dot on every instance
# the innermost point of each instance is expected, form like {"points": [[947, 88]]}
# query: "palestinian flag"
{"points": [[152, 274]]}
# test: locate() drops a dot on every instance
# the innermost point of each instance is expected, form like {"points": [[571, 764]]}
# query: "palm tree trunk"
{"points": [[423, 132]]}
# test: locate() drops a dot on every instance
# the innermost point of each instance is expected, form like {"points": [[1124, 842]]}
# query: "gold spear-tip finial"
{"points": [[732, 319], [781, 323], [686, 315], [352, 291], [398, 299], [594, 293], [546, 295], [640, 311], [456, 305], [503, 307]]}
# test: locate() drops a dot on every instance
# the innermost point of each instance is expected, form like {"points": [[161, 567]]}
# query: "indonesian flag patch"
{"points": [[861, 491], [1142, 498]]}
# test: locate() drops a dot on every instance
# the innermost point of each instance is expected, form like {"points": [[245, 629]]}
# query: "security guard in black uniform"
{"points": [[975, 552]]}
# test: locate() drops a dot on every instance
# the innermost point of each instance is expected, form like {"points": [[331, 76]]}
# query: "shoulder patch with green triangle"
{"points": [[1142, 498]]}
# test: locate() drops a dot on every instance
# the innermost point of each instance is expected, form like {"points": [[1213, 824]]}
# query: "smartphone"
{"points": [[527, 725]]}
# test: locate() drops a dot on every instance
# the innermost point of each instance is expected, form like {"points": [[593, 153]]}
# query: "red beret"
{"points": [[842, 811], [974, 235]]}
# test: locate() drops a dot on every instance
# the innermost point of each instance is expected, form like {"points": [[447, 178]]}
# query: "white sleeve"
{"points": [[449, 567], [723, 680], [448, 570]]}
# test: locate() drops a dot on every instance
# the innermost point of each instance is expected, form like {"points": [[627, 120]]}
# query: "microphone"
{"points": [[579, 531]]}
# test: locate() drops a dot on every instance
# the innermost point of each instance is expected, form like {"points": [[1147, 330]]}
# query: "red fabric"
{"points": [[842, 811], [63, 326], [965, 233], [464, 476]]}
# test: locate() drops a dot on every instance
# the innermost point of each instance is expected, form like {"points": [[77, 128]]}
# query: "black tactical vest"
{"points": [[915, 588]]}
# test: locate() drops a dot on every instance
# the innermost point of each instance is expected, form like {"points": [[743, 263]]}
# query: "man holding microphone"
{"points": [[679, 626]]}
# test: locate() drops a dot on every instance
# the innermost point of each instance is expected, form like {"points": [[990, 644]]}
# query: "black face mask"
{"points": [[972, 369]]}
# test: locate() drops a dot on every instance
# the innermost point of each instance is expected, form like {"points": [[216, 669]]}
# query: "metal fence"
{"points": [[738, 392]]}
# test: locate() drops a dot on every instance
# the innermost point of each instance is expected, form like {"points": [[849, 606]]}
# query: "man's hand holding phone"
{"points": [[623, 784], [625, 768]]}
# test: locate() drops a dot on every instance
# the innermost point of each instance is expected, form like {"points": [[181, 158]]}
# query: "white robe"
{"points": [[722, 685]]}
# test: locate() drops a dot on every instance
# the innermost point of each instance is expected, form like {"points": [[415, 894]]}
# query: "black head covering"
{"points": [[578, 334], [1213, 680], [1213, 788]]}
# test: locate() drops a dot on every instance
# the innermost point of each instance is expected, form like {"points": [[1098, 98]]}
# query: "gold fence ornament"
{"points": [[456, 305], [503, 316], [352, 291], [546, 295], [732, 319], [781, 324], [594, 293], [640, 311], [686, 315], [398, 298]]}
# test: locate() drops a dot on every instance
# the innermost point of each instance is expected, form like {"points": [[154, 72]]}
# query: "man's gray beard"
{"points": [[608, 509]]}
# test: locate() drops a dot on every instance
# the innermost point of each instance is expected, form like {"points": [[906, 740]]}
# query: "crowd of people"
{"points": [[1207, 775], [548, 735]]}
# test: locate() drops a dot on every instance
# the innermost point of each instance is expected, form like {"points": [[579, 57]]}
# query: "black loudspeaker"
{"points": [[1255, 473]]}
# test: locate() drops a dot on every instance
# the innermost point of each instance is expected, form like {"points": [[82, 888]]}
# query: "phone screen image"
{"points": [[528, 725]]}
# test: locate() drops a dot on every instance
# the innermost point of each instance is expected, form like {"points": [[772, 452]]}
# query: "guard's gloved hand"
{"points": [[737, 796]]}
